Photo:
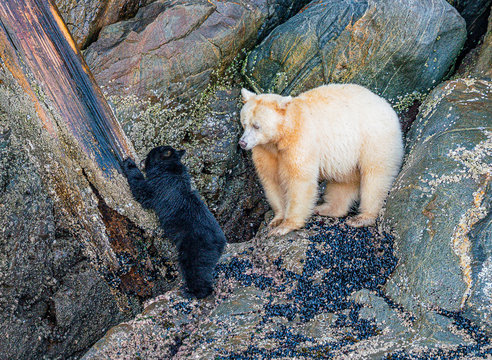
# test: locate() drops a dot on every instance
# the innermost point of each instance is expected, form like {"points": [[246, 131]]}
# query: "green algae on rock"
{"points": [[392, 47], [440, 203]]}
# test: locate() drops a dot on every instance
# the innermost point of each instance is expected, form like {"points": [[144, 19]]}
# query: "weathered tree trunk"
{"points": [[73, 260], [35, 39]]}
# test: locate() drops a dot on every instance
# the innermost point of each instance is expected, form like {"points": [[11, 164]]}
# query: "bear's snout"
{"points": [[243, 144]]}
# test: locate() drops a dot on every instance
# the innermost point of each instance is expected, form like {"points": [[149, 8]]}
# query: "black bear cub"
{"points": [[185, 219]]}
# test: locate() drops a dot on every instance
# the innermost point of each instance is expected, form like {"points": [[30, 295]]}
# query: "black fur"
{"points": [[183, 216]]}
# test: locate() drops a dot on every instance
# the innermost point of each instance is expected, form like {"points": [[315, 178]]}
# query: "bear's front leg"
{"points": [[138, 185], [266, 164], [301, 197]]}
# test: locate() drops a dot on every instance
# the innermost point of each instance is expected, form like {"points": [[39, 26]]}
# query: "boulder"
{"points": [[171, 50], [85, 19], [47, 279], [313, 293], [393, 47], [440, 207]]}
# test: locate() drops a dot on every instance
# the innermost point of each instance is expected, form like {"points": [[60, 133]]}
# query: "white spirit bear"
{"points": [[343, 133]]}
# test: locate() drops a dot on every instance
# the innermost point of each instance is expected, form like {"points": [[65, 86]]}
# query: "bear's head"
{"points": [[162, 156], [261, 118]]}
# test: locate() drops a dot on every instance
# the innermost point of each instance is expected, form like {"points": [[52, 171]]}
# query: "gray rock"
{"points": [[440, 204], [478, 62], [42, 255], [393, 47], [171, 50]]}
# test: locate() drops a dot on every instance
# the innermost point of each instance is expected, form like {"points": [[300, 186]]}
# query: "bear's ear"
{"points": [[246, 94], [282, 104]]}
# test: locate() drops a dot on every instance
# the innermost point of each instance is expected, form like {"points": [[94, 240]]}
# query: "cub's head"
{"points": [[261, 118], [163, 156]]}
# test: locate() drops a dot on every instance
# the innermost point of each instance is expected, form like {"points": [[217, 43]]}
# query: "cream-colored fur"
{"points": [[343, 133]]}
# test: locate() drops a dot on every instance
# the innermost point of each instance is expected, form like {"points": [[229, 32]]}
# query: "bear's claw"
{"points": [[361, 220]]}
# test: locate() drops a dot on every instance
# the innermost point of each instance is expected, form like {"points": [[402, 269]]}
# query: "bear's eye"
{"points": [[256, 126], [166, 153]]}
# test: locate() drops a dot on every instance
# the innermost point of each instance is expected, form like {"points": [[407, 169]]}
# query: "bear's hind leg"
{"points": [[339, 197], [375, 184]]}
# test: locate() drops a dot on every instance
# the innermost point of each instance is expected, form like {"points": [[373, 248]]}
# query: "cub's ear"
{"points": [[246, 94]]}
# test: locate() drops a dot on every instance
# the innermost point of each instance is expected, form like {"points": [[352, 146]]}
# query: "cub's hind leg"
{"points": [[338, 198]]}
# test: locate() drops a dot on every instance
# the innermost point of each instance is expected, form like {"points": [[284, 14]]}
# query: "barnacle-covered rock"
{"points": [[314, 293], [440, 205]]}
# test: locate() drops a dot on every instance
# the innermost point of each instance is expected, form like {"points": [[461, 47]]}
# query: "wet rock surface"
{"points": [[478, 62], [318, 296], [440, 205], [367, 42]]}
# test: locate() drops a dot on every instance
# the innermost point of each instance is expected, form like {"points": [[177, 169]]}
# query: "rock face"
{"points": [[392, 47], [46, 282], [478, 61], [183, 51], [483, 66], [86, 18], [209, 132], [314, 294], [440, 205], [171, 50]]}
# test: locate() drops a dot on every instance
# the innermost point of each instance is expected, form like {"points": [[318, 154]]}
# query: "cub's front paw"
{"points": [[128, 164], [361, 220]]}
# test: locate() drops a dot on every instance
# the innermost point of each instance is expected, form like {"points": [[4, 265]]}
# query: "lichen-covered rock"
{"points": [[171, 50], [440, 205], [41, 247], [86, 18], [393, 47], [316, 296]]}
